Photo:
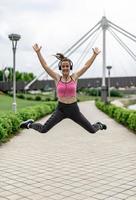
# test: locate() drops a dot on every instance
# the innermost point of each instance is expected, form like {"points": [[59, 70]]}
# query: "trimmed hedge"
{"points": [[9, 123], [35, 98], [97, 92], [121, 115]]}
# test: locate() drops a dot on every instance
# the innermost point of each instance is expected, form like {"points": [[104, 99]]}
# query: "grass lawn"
{"points": [[83, 97], [6, 103], [43, 96]]}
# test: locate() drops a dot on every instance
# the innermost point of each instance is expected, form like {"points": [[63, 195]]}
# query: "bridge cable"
{"points": [[89, 45], [29, 84], [131, 35], [123, 44]]}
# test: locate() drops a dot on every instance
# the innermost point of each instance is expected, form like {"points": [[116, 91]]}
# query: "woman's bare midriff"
{"points": [[67, 100]]}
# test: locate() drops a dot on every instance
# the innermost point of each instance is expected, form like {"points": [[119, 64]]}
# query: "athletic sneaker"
{"points": [[102, 126], [26, 124]]}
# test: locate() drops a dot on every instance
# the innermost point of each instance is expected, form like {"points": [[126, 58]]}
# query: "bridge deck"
{"points": [[69, 163]]}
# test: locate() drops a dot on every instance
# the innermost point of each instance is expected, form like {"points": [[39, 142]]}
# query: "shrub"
{"points": [[21, 96], [91, 92], [121, 115], [38, 98], [48, 99], [115, 93], [97, 92], [29, 98], [9, 123], [132, 121]]}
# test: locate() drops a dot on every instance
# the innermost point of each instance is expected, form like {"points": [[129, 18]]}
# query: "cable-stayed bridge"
{"points": [[103, 26]]}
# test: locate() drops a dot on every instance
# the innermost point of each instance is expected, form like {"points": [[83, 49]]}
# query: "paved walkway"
{"points": [[69, 163]]}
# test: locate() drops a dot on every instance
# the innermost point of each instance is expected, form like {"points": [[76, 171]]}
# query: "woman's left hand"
{"points": [[96, 50]]}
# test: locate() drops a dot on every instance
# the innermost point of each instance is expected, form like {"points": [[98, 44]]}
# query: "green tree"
{"points": [[23, 76]]}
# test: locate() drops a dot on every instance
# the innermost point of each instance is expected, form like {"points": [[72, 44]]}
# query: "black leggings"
{"points": [[63, 111]]}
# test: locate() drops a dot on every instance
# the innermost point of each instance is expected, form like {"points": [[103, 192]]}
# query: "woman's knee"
{"points": [[92, 131], [43, 130]]}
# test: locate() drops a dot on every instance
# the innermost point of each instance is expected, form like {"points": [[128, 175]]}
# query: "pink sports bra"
{"points": [[67, 89]]}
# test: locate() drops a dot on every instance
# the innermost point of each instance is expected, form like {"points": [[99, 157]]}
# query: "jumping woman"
{"points": [[66, 86]]}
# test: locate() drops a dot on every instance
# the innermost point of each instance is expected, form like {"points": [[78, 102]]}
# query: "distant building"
{"points": [[45, 85]]}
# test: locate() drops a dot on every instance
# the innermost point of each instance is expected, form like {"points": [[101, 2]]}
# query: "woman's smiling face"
{"points": [[65, 67]]}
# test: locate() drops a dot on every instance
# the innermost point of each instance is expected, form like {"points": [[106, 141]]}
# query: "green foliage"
{"points": [[121, 115], [9, 123], [23, 76], [48, 99], [97, 92], [29, 98], [132, 121], [21, 96], [91, 91], [38, 98], [34, 98], [115, 93]]}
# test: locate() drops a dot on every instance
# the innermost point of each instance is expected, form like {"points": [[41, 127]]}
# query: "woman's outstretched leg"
{"points": [[55, 118], [82, 121]]}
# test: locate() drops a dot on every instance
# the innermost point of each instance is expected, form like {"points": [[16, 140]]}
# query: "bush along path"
{"points": [[9, 122], [121, 115]]}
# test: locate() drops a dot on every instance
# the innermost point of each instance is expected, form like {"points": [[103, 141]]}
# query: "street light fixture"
{"points": [[109, 68], [14, 38], [6, 72]]}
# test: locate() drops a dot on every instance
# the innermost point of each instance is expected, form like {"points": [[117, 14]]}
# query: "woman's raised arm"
{"points": [[53, 74], [81, 71]]}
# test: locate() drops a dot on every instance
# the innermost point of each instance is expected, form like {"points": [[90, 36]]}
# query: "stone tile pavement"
{"points": [[69, 163]]}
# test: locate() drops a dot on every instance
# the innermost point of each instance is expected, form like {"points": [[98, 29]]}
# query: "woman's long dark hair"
{"points": [[62, 58]]}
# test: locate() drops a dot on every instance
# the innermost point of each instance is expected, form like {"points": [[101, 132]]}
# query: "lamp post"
{"points": [[3, 74], [97, 86], [14, 38], [109, 68]]}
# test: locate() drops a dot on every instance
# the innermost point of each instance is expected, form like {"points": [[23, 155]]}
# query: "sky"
{"points": [[57, 24]]}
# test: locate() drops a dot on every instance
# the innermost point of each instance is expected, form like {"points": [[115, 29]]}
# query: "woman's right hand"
{"points": [[36, 48]]}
